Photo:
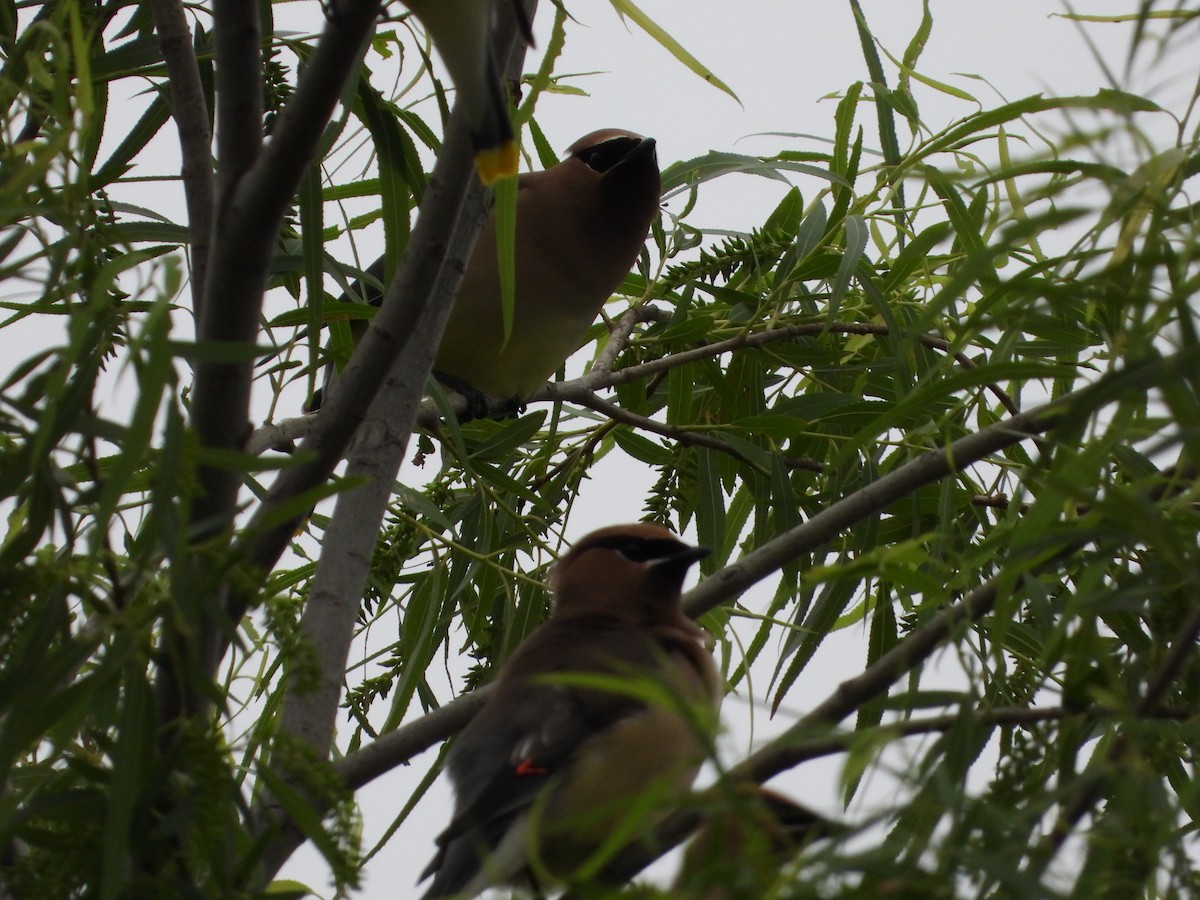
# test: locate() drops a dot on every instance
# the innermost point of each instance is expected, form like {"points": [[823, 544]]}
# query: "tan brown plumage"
{"points": [[580, 227], [556, 765]]}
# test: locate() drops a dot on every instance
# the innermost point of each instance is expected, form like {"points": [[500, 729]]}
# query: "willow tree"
{"points": [[946, 391]]}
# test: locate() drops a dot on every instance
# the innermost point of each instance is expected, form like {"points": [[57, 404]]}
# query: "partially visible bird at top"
{"points": [[548, 768], [460, 30], [580, 227]]}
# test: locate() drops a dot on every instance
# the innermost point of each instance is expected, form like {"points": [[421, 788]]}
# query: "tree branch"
{"points": [[190, 111], [397, 747], [251, 205], [250, 211], [239, 76], [583, 389], [402, 337], [602, 378]]}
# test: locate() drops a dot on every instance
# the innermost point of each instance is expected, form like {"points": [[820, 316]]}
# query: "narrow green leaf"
{"points": [[505, 213], [627, 9]]}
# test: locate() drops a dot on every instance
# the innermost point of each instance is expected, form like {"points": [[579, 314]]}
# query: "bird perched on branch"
{"points": [[580, 227], [461, 32], [604, 709]]}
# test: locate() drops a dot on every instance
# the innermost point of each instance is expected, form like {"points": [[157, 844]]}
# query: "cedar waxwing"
{"points": [[580, 227], [742, 845], [460, 29], [546, 770]]}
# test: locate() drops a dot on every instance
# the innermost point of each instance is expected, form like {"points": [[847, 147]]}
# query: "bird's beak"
{"points": [[683, 559], [644, 149]]}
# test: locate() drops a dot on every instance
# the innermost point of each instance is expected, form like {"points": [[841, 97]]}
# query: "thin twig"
{"points": [[601, 375]]}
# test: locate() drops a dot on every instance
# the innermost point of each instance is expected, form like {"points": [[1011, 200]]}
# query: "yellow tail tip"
{"points": [[494, 163]]}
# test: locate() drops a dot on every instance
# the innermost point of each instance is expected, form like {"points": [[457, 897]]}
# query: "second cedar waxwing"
{"points": [[460, 29], [546, 770], [580, 227], [745, 842]]}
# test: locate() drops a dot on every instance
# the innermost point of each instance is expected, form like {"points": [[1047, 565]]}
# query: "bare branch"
{"points": [[927, 468], [399, 746], [817, 747], [620, 333]]}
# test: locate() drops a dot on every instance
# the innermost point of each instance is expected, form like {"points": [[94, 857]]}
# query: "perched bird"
{"points": [[580, 227], [748, 836], [547, 770], [460, 30]]}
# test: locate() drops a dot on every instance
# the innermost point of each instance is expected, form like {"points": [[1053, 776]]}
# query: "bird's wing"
{"points": [[530, 731], [534, 726]]}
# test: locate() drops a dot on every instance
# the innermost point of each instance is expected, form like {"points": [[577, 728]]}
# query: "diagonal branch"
{"points": [[602, 375], [605, 377]]}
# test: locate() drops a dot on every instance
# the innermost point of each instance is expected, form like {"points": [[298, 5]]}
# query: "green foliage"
{"points": [[917, 283]]}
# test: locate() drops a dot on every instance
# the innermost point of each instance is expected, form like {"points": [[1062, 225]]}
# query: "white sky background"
{"points": [[781, 57]]}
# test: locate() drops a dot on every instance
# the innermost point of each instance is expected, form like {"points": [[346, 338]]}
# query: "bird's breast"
{"points": [[631, 771]]}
